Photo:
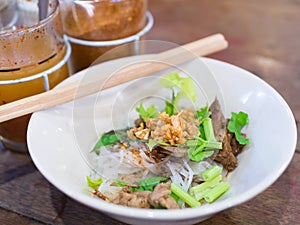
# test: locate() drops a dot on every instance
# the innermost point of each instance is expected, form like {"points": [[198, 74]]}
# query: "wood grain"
{"points": [[11, 218], [43, 203]]}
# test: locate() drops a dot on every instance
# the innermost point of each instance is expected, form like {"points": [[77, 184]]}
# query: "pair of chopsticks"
{"points": [[69, 92]]}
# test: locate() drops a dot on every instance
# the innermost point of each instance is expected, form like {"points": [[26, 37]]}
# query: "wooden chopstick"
{"points": [[70, 91]]}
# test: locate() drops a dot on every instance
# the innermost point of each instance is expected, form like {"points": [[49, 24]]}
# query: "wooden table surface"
{"points": [[264, 38]]}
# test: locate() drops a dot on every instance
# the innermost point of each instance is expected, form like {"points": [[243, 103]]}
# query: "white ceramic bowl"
{"points": [[57, 138]]}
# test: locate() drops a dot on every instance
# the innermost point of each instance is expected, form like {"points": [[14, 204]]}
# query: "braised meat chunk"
{"points": [[160, 197], [226, 156], [230, 147], [218, 120], [138, 199]]}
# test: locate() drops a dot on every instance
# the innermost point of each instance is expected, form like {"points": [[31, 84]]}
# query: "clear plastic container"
{"points": [[33, 59]]}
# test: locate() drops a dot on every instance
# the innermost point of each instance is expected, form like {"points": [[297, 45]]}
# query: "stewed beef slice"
{"points": [[147, 199], [161, 197], [224, 156], [218, 120], [138, 199]]}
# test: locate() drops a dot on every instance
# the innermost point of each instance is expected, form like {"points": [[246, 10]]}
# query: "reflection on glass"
{"points": [[28, 47]]}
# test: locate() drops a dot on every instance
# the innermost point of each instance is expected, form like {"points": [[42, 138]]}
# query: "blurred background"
{"points": [[263, 38]]}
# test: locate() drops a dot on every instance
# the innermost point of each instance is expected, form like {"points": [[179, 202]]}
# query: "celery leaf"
{"points": [[104, 140], [149, 183], [151, 112], [235, 125]]}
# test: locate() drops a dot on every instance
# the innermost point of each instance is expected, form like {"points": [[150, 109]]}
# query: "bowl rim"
{"points": [[204, 210]]}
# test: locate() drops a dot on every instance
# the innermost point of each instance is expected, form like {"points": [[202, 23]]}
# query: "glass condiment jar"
{"points": [[94, 27], [33, 59]]}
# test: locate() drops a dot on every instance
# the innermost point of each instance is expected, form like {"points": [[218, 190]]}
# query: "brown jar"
{"points": [[92, 25]]}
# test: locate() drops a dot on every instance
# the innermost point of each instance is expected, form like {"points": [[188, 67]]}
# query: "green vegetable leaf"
{"points": [[198, 148], [104, 140], [151, 112], [170, 107], [119, 183], [203, 113], [201, 149], [235, 125], [152, 143], [95, 184], [185, 84], [170, 110], [170, 81], [148, 184], [186, 89], [200, 155]]}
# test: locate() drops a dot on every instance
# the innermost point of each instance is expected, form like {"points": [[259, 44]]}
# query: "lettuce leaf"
{"points": [[186, 90]]}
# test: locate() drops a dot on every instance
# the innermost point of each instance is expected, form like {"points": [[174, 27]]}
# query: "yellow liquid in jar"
{"points": [[15, 130]]}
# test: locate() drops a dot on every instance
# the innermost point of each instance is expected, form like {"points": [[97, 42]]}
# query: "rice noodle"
{"points": [[111, 164], [188, 176], [109, 191], [176, 178], [199, 167], [149, 163], [182, 177], [133, 164]]}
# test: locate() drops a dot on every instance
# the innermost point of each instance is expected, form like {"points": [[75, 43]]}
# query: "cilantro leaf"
{"points": [[235, 125], [104, 140], [151, 112], [149, 183], [95, 184]]}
